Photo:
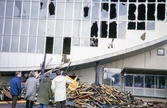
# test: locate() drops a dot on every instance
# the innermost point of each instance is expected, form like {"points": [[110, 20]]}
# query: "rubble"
{"points": [[103, 96]]}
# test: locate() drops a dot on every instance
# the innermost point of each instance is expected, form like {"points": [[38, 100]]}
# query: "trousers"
{"points": [[14, 101]]}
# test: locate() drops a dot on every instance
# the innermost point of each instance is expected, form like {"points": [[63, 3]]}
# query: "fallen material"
{"points": [[106, 97]]}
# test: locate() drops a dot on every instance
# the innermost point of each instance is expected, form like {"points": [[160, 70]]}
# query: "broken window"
{"points": [[104, 10], [86, 10], [104, 27], [132, 0], [141, 0], [40, 44], [131, 12], [51, 8], [32, 44], [67, 45], [113, 11], [123, 0], [34, 9], [151, 0], [161, 11], [17, 10], [23, 43], [150, 25], [131, 25], [58, 45], [122, 11], [150, 11], [26, 9], [43, 10], [141, 12], [6, 43], [94, 41], [114, 0], [161, 0], [49, 45], [14, 44], [113, 30], [94, 29], [41, 4], [140, 25]]}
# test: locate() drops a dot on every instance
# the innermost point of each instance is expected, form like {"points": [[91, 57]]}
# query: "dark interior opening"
{"points": [[141, 12], [67, 45], [131, 12], [49, 45], [132, 0], [51, 8], [140, 25], [105, 6], [161, 0], [86, 10], [150, 11], [151, 0], [141, 0], [123, 0], [104, 27], [113, 13], [113, 30], [131, 25], [161, 11], [94, 29]]}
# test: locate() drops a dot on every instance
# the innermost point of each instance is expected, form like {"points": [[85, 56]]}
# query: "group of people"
{"points": [[45, 89]]}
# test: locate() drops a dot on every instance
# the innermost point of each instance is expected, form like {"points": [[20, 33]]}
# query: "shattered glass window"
{"points": [[104, 10], [17, 8], [122, 11], [43, 10], [26, 9]]}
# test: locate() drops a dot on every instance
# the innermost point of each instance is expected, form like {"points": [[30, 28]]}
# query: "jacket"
{"points": [[44, 91], [15, 86], [59, 87], [31, 86]]}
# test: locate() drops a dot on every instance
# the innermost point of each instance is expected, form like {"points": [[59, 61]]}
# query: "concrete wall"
{"points": [[145, 60]]}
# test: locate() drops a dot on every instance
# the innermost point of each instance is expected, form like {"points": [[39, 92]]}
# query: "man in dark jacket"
{"points": [[15, 88]]}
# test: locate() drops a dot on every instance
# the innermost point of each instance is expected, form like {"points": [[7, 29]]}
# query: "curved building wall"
{"points": [[78, 28]]}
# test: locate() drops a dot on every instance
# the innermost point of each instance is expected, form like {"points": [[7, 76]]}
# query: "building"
{"points": [[95, 35]]}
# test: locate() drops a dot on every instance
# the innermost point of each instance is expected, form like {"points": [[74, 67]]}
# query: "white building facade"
{"points": [[84, 30]]}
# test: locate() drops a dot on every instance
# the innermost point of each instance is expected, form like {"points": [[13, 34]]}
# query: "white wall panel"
{"points": [[4, 61]]}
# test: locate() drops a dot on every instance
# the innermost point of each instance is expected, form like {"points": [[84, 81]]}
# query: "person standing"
{"points": [[59, 89], [31, 86], [44, 91], [15, 88]]}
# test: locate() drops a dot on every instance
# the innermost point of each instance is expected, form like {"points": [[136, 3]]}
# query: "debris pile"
{"points": [[93, 96]]}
